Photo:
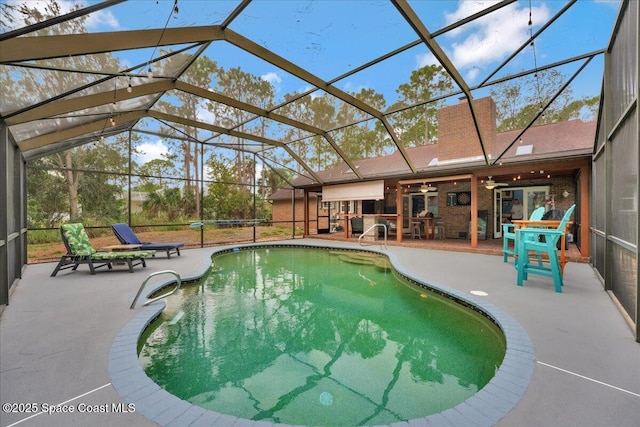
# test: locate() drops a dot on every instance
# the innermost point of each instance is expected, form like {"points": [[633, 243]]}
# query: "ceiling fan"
{"points": [[490, 184], [424, 188]]}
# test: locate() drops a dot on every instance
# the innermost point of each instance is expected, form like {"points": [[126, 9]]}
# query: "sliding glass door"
{"points": [[529, 197]]}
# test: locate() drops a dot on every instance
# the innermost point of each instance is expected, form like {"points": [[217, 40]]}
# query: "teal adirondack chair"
{"points": [[530, 240], [509, 234]]}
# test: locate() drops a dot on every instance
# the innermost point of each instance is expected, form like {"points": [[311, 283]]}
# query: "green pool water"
{"points": [[307, 336]]}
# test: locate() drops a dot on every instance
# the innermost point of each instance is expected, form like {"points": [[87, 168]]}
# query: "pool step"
{"points": [[382, 263], [355, 260], [364, 258]]}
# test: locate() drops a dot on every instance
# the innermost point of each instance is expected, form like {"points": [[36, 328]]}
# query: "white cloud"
{"points": [[350, 87], [150, 151], [425, 59], [205, 115], [272, 78], [472, 74], [493, 37], [465, 9], [102, 18]]}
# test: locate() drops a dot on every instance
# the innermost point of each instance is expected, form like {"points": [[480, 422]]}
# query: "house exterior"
{"points": [[285, 211], [547, 164]]}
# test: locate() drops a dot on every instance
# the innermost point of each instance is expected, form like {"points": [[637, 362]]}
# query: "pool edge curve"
{"points": [[484, 408]]}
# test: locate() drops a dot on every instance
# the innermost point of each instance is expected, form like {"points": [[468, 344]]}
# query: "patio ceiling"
{"points": [[67, 81]]}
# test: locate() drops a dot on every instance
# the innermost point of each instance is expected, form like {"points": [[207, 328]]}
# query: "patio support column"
{"points": [[201, 196], [306, 213], [345, 210], [400, 219], [254, 191], [585, 207], [293, 213], [6, 278], [129, 172], [474, 211]]}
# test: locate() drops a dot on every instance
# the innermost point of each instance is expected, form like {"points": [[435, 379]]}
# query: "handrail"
{"points": [[384, 226], [157, 273]]}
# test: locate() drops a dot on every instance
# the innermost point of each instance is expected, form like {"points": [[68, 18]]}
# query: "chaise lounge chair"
{"points": [[125, 234], [80, 251]]}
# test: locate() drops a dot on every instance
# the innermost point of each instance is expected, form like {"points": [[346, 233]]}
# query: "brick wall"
{"points": [[456, 218], [282, 213], [457, 136]]}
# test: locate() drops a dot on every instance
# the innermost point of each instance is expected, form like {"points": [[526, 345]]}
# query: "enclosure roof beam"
{"points": [[69, 105], [47, 47], [242, 135], [419, 27], [267, 55], [76, 131]]}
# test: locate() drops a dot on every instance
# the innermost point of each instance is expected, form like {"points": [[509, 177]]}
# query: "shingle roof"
{"points": [[554, 140], [285, 193], [551, 141]]}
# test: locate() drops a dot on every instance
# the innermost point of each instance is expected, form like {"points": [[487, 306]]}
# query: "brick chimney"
{"points": [[457, 136]]}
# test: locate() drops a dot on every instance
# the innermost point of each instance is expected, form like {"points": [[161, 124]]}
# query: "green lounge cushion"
{"points": [[122, 255]]}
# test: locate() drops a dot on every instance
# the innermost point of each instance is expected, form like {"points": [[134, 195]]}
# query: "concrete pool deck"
{"points": [[56, 335]]}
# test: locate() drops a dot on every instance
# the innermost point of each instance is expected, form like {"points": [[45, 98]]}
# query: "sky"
{"points": [[324, 37], [332, 37]]}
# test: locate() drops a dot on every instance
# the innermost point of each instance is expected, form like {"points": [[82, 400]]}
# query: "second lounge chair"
{"points": [[126, 236]]}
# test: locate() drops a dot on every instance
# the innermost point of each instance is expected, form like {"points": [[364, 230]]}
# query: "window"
{"points": [[339, 207]]}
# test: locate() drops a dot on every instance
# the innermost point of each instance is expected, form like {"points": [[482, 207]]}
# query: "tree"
{"points": [[186, 150], [226, 198], [87, 186], [168, 202], [36, 85], [253, 90], [272, 179], [362, 140], [156, 168], [47, 201], [518, 101], [416, 124]]}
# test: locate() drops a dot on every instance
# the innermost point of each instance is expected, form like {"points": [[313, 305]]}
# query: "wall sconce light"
{"points": [[565, 193]]}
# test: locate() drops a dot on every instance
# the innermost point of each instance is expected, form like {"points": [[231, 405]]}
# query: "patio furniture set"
{"points": [[538, 246], [131, 251]]}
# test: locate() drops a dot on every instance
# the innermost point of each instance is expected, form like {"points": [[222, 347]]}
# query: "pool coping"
{"points": [[484, 408]]}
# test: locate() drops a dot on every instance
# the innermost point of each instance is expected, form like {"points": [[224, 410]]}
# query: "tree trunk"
{"points": [[72, 183]]}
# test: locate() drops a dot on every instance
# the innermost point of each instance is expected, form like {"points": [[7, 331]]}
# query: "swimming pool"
{"points": [[484, 408], [314, 337]]}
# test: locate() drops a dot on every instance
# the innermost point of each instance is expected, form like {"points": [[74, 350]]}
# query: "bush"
{"points": [[43, 236]]}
